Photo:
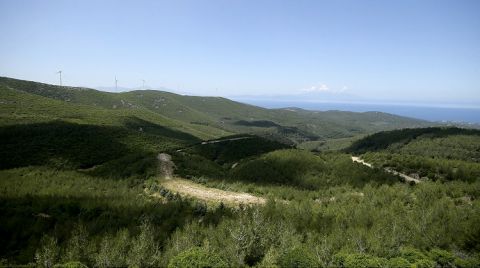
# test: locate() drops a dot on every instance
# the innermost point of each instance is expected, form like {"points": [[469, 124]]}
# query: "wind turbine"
{"points": [[60, 73], [116, 83], [143, 85]]}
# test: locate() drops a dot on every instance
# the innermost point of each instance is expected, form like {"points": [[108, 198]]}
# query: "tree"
{"points": [[144, 250], [47, 255], [77, 245], [113, 250]]}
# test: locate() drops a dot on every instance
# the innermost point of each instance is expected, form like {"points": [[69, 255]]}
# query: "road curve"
{"points": [[407, 178]]}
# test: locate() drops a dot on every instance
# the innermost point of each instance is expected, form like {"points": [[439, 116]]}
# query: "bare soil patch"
{"points": [[188, 188]]}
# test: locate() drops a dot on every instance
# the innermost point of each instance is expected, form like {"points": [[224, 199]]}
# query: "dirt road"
{"points": [[407, 178], [358, 160], [189, 188], [215, 141], [224, 140]]}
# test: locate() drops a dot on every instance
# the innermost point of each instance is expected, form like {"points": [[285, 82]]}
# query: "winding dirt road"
{"points": [[407, 178], [214, 141]]}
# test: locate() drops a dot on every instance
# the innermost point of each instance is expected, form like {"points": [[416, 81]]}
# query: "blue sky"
{"points": [[417, 51]]}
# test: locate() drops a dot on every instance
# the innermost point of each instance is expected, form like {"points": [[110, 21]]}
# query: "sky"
{"points": [[417, 51]]}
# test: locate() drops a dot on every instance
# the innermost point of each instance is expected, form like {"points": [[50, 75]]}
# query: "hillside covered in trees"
{"points": [[429, 153], [83, 183], [204, 117]]}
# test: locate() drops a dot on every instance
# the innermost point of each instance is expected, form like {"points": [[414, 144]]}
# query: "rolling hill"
{"points": [[204, 117]]}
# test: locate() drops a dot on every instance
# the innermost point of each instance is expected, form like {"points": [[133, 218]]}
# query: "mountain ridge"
{"points": [[221, 115]]}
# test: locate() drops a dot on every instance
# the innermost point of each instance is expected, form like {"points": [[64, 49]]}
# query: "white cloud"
{"points": [[317, 88], [320, 87]]}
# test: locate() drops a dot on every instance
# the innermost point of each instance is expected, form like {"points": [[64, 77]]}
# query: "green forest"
{"points": [[83, 184]]}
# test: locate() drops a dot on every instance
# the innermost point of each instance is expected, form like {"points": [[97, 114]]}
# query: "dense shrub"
{"points": [[48, 253], [412, 255], [398, 138], [363, 260], [442, 257], [398, 263], [424, 263], [197, 257], [306, 170], [297, 257], [73, 264]]}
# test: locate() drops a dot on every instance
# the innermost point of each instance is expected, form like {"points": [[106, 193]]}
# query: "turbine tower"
{"points": [[116, 83], [143, 85], [60, 74]]}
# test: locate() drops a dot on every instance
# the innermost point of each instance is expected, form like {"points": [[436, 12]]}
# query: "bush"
{"points": [[196, 257], [338, 259], [47, 255], [269, 260], [467, 263], [362, 260], [442, 257], [297, 257], [72, 264], [398, 263], [411, 254], [424, 263]]}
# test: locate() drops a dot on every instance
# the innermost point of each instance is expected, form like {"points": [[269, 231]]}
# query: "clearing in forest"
{"points": [[189, 188]]}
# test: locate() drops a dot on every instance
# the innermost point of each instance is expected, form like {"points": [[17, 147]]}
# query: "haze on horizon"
{"points": [[411, 51]]}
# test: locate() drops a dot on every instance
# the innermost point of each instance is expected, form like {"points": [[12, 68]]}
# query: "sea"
{"points": [[465, 115]]}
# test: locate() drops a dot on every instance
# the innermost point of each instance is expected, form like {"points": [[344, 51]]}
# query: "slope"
{"points": [[427, 153], [222, 116]]}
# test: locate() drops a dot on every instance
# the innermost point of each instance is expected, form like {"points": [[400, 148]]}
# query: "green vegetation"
{"points": [[196, 257], [329, 144], [421, 139], [79, 184], [204, 117], [235, 148], [429, 153], [306, 170]]}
